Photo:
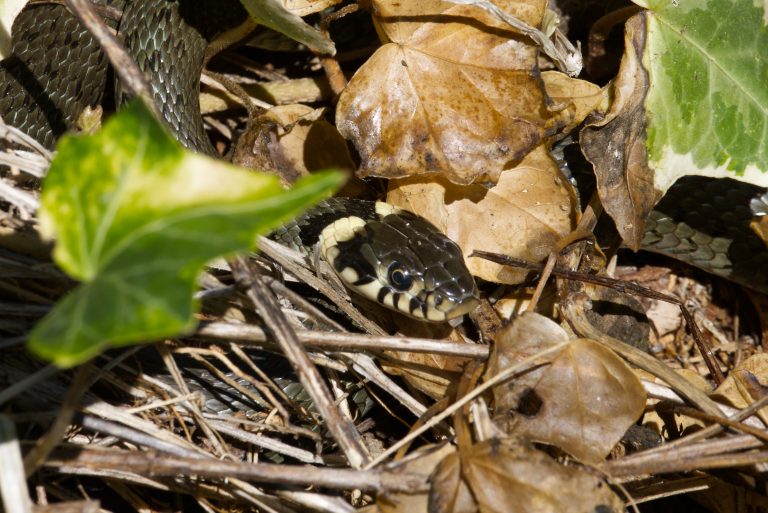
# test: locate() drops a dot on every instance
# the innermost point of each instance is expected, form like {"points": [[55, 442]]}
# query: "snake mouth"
{"points": [[431, 306], [452, 309]]}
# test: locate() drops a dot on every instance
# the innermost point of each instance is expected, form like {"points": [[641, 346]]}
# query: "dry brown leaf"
{"points": [[453, 91], [526, 336], [582, 402], [505, 475], [449, 492], [746, 383], [430, 374], [580, 97], [293, 140], [589, 399], [525, 215], [615, 145]]}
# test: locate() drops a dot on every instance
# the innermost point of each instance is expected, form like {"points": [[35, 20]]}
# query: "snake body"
{"points": [[57, 69], [706, 223]]}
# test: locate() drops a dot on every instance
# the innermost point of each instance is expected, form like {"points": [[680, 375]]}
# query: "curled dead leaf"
{"points": [[580, 97], [306, 7], [746, 383], [432, 374], [292, 140], [615, 145], [422, 462]]}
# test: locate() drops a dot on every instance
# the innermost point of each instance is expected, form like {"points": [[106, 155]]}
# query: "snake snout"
{"points": [[456, 297]]}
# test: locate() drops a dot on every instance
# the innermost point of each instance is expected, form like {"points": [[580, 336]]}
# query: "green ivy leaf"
{"points": [[135, 218], [273, 14], [707, 105]]}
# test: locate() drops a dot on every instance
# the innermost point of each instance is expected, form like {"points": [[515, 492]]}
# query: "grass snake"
{"points": [[56, 69]]}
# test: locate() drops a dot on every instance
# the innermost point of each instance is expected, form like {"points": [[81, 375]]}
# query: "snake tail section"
{"points": [[705, 222]]}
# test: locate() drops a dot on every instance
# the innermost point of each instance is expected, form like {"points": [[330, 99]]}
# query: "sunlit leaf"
{"points": [[453, 91], [691, 98], [707, 100], [273, 14]]}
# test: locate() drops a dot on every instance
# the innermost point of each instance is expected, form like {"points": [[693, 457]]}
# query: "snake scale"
{"points": [[56, 69]]}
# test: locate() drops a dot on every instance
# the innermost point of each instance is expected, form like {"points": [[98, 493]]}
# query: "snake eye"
{"points": [[399, 277]]}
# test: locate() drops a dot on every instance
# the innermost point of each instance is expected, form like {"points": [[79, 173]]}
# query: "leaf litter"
{"points": [[550, 412]]}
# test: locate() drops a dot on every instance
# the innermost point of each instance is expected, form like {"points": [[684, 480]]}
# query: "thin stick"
{"points": [[154, 464], [760, 434], [337, 341]]}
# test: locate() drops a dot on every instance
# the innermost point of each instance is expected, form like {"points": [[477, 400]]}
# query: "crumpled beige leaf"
{"points": [[306, 7], [524, 215], [453, 92], [292, 140], [615, 145], [506, 475], [579, 96], [746, 383], [583, 401]]}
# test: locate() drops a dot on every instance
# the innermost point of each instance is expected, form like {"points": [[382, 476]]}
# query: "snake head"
{"points": [[401, 261]]}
